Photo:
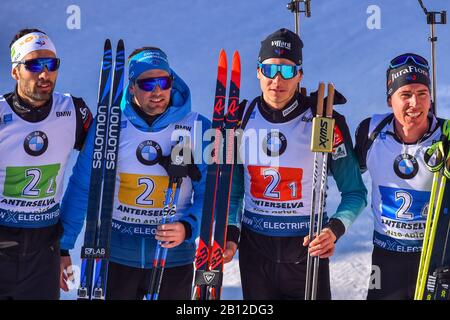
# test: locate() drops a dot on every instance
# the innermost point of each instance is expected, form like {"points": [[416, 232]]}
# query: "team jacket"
{"points": [[141, 183], [276, 184], [35, 144]]}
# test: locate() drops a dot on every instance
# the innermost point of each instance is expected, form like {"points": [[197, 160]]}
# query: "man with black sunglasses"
{"points": [[391, 147], [156, 110], [273, 228], [38, 129]]}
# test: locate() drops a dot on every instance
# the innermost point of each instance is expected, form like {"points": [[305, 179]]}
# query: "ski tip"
{"points": [[120, 46], [107, 44], [223, 59], [236, 61]]}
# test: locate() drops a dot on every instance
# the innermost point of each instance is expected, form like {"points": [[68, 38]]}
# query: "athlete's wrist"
{"points": [[337, 227]]}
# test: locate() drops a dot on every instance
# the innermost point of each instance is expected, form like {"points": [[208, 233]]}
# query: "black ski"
{"points": [[103, 175], [90, 235]]}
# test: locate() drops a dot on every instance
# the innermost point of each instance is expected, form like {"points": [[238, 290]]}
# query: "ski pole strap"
{"points": [[438, 155], [434, 157], [447, 166], [183, 170], [446, 131]]}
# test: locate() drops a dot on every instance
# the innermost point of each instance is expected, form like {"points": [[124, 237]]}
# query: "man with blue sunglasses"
{"points": [[38, 128], [156, 109], [391, 148], [276, 185]]}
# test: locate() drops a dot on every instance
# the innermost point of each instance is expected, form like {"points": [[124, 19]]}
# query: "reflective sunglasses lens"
{"points": [[403, 59], [269, 70], [38, 65], [150, 84], [165, 83], [288, 72], [146, 84]]}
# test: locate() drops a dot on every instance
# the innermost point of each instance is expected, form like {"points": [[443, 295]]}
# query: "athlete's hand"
{"points": [[230, 251], [171, 234], [323, 245], [66, 273]]}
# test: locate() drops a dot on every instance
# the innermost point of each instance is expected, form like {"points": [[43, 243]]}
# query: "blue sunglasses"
{"points": [[38, 65], [150, 84], [404, 58], [286, 71]]}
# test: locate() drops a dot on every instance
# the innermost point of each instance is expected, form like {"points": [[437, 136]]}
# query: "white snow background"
{"points": [[339, 47]]}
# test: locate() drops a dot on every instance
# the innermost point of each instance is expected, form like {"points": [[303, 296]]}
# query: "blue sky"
{"points": [[338, 45], [339, 48]]}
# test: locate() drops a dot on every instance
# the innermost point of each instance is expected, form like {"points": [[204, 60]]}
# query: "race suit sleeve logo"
{"points": [[31, 182], [142, 191], [339, 149], [276, 183]]}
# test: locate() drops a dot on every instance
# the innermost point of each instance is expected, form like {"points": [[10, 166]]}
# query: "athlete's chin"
{"points": [[279, 99], [42, 96], [156, 108], [415, 122]]}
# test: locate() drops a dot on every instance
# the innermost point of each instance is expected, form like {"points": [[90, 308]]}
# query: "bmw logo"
{"points": [[35, 143], [149, 152], [406, 166], [274, 144]]}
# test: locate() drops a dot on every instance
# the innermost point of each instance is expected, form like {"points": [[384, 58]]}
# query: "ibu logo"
{"points": [[35, 143], [149, 152]]}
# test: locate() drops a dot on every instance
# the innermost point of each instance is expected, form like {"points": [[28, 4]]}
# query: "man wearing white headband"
{"points": [[38, 130]]}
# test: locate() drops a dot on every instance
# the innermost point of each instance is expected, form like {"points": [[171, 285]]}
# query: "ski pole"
{"points": [[294, 7], [435, 149], [155, 271], [323, 186], [177, 169], [312, 217], [321, 145], [171, 215], [439, 152], [433, 18]]}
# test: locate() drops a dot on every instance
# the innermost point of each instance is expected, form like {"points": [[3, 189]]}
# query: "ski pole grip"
{"points": [[330, 101], [320, 96]]}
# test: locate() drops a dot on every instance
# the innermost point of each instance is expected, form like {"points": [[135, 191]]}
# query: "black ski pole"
{"points": [[176, 170]]}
